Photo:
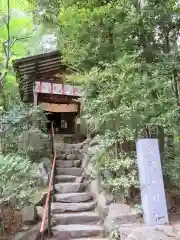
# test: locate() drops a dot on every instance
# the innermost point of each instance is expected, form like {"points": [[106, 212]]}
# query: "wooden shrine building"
{"points": [[42, 81]]}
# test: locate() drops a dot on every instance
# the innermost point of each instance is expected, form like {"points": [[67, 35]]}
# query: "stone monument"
{"points": [[151, 182]]}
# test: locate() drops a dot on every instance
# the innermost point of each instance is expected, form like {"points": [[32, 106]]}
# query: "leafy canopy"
{"points": [[128, 53]]}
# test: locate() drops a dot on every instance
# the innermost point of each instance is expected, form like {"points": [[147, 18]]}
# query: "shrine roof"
{"points": [[34, 68]]}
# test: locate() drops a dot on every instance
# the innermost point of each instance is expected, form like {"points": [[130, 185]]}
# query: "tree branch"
{"points": [[19, 39], [3, 18], [7, 50], [23, 38], [8, 44], [23, 28]]}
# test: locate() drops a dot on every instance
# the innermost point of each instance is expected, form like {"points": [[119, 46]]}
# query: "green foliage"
{"points": [[17, 28], [128, 54], [115, 235], [171, 165], [118, 174], [18, 119], [17, 179]]}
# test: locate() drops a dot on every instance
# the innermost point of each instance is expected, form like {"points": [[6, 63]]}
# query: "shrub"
{"points": [[118, 175], [171, 166], [20, 128], [17, 179]]}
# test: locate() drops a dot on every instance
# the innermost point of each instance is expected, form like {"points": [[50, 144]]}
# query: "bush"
{"points": [[20, 123], [171, 165], [17, 179], [118, 175]]}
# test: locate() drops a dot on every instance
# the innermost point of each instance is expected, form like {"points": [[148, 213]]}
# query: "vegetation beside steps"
{"points": [[23, 147]]}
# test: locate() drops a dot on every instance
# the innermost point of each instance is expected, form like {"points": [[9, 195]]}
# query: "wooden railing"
{"points": [[51, 192]]}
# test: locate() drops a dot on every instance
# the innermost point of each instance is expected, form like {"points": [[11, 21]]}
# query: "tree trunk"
{"points": [[161, 137]]}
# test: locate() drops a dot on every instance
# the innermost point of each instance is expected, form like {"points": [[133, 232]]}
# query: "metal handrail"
{"points": [[51, 192]]}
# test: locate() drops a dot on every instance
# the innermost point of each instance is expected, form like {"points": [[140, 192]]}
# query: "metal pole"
{"points": [[42, 236], [53, 187], [53, 180], [52, 139], [49, 217]]}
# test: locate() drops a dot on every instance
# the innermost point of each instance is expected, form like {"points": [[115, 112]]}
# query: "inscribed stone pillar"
{"points": [[151, 182]]}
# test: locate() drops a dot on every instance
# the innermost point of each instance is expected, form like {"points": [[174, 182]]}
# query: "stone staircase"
{"points": [[74, 209]]}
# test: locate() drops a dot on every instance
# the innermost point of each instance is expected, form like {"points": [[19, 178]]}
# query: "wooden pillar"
{"points": [[37, 76], [35, 96]]}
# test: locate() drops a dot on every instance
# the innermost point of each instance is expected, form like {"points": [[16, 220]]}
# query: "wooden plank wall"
{"points": [[52, 107]]}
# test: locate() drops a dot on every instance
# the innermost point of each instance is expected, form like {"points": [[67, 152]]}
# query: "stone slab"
{"points": [[65, 178], [151, 182], [71, 156], [93, 238], [70, 187], [120, 214], [40, 212], [58, 207], [64, 164], [29, 214], [74, 197], [77, 218], [126, 229], [101, 204], [60, 156], [160, 232], [69, 171], [76, 231]]}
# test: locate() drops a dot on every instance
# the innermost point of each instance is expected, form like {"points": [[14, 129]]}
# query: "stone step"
{"points": [[77, 218], [94, 238], [58, 207], [70, 187], [60, 156], [68, 163], [69, 171], [72, 156], [74, 197], [76, 231], [65, 178], [68, 154], [64, 164]]}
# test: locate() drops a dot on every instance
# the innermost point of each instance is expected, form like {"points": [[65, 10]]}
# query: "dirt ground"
{"points": [[10, 223]]}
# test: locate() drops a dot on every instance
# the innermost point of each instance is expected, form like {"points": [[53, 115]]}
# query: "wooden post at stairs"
{"points": [[35, 96]]}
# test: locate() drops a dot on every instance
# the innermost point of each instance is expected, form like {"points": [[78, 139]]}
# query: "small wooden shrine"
{"points": [[42, 81]]}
